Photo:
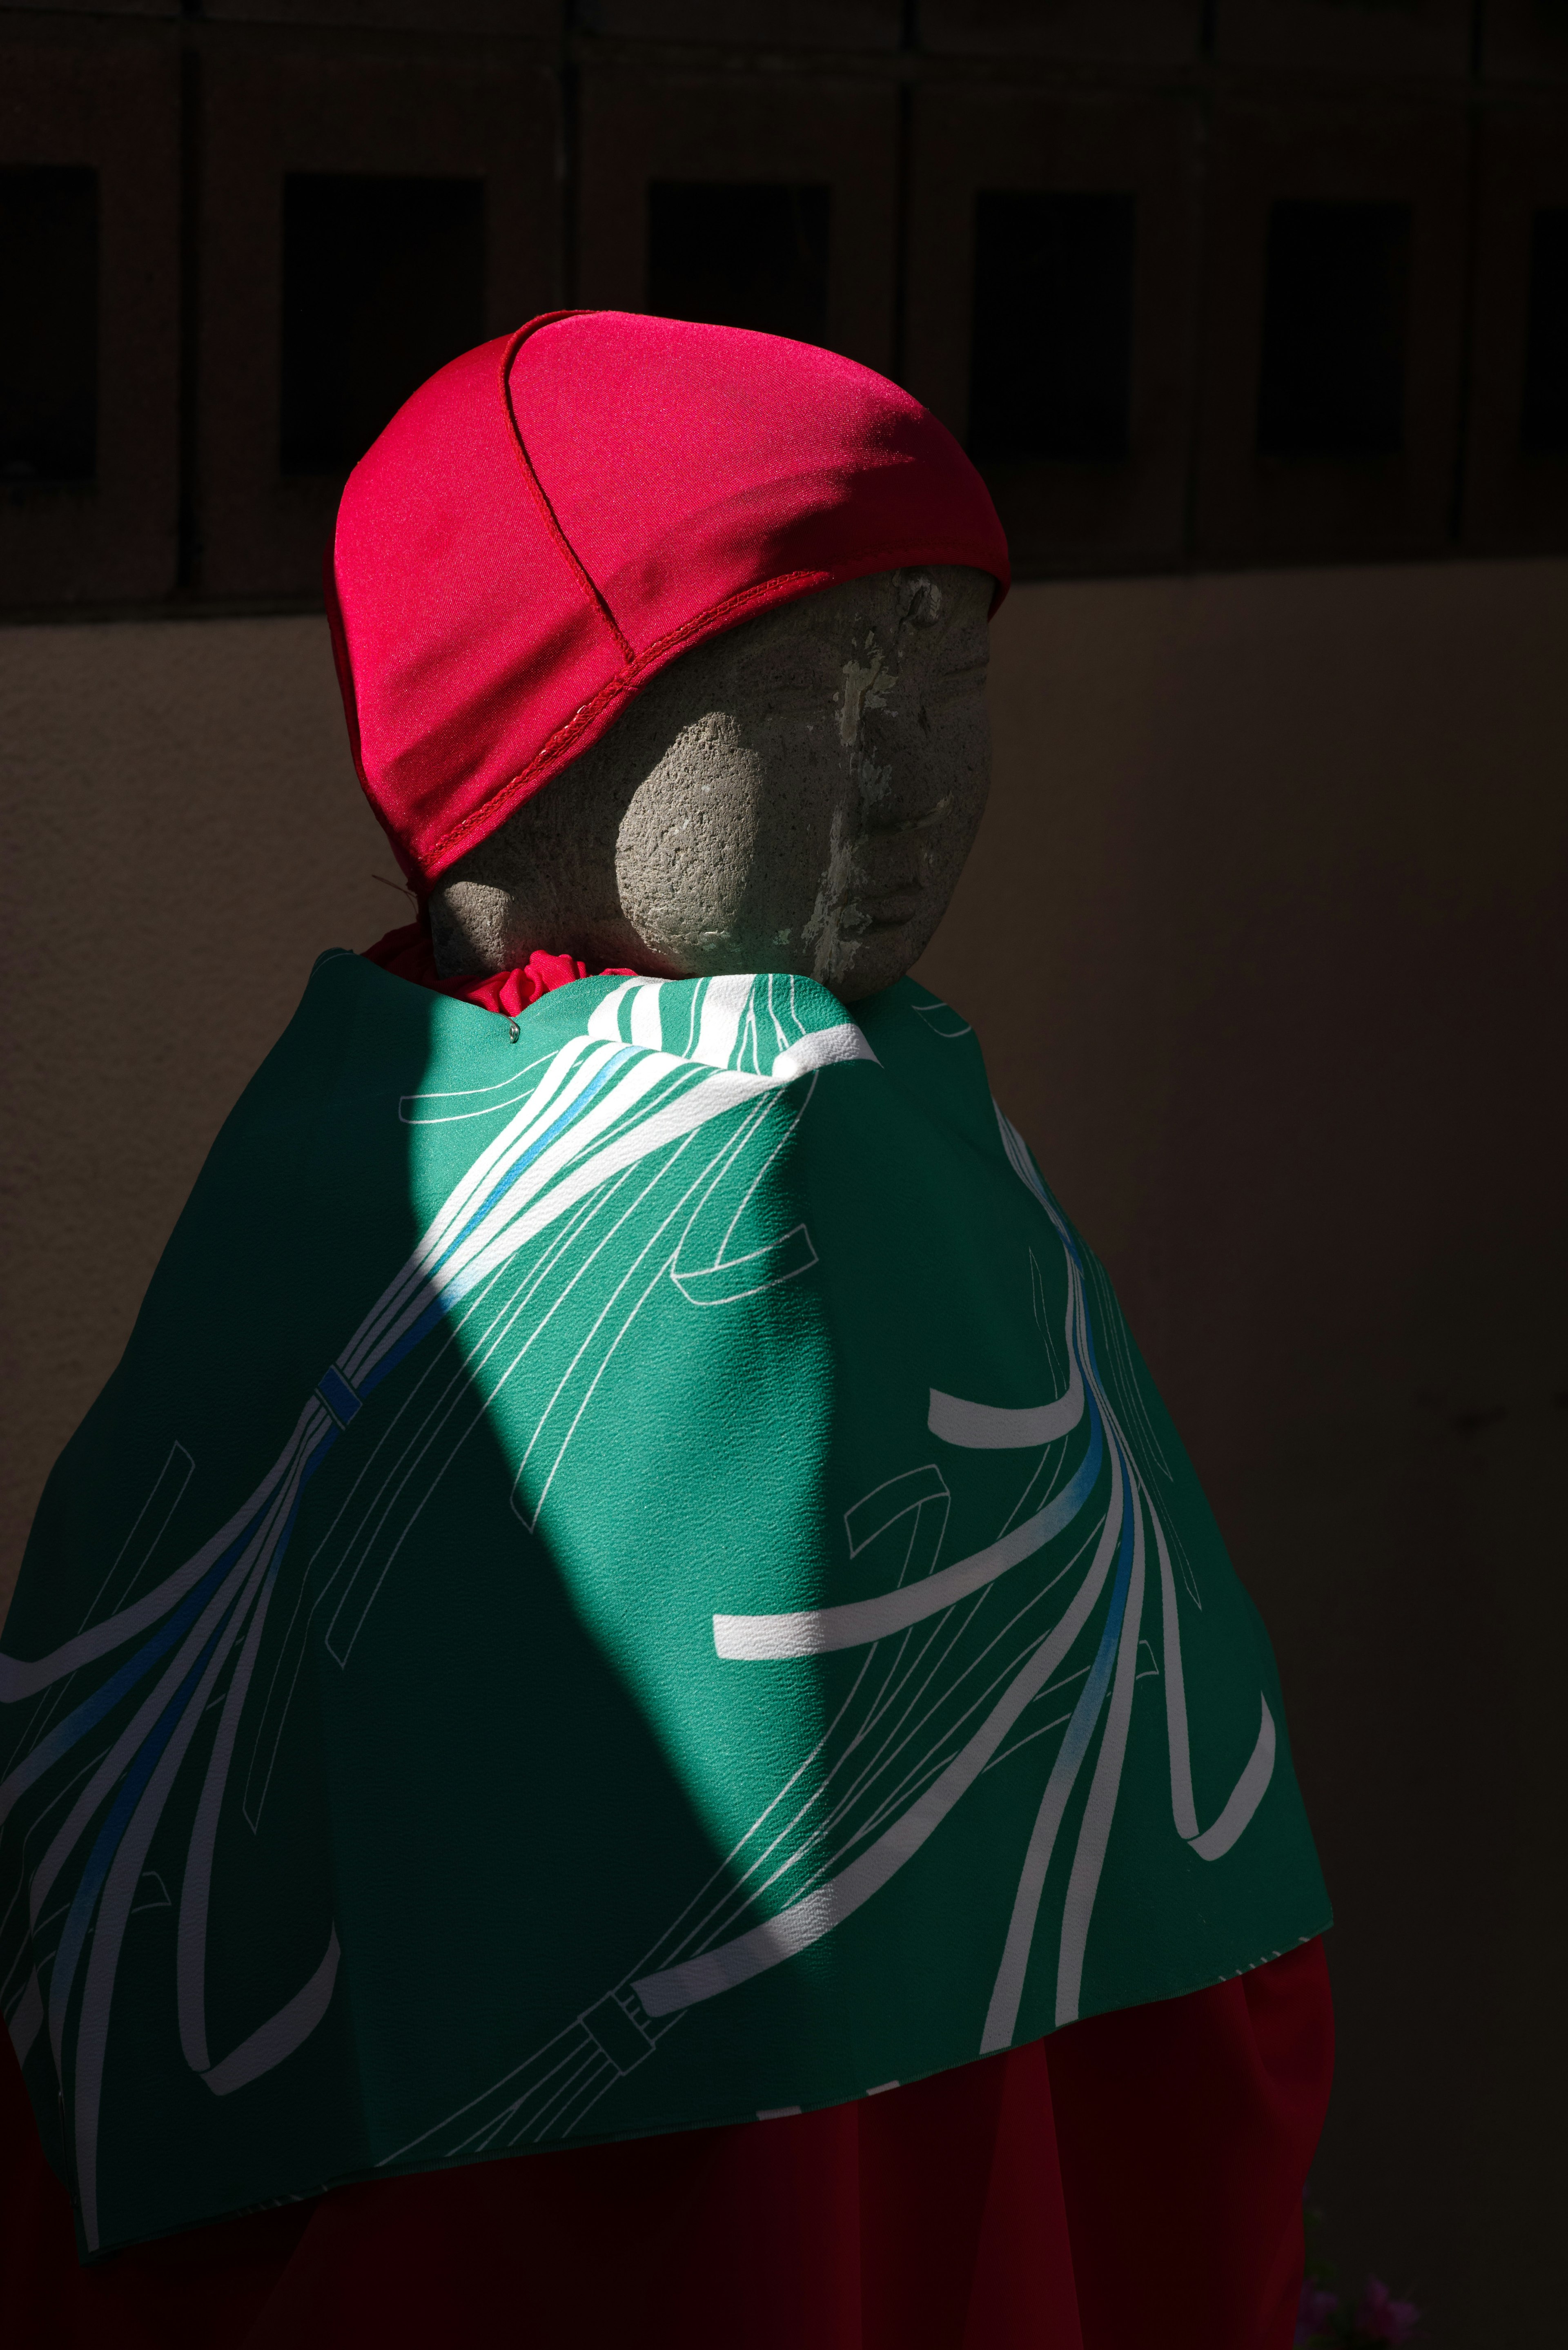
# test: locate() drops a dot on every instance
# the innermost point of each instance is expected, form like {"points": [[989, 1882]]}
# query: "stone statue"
{"points": [[613, 1592], [798, 794]]}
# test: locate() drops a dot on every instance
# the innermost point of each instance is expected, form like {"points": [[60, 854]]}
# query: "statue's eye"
{"points": [[793, 697]]}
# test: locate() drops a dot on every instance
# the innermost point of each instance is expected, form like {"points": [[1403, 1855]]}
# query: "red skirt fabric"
{"points": [[1133, 2183]]}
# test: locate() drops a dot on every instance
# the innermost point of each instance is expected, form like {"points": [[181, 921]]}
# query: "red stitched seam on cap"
{"points": [[625, 683], [574, 725], [884, 559], [546, 510]]}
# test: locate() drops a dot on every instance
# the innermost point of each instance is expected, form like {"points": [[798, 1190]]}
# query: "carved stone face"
{"points": [[798, 794]]}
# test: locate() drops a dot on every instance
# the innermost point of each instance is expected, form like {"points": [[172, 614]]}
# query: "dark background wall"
{"points": [[1264, 932], [1251, 281]]}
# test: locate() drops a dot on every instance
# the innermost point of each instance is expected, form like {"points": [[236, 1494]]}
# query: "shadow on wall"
{"points": [[1265, 937], [186, 791], [1260, 937]]}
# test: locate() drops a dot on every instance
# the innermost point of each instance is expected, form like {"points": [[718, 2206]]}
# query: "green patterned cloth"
{"points": [[631, 1576]]}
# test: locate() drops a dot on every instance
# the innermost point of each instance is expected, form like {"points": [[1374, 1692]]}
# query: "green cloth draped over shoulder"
{"points": [[631, 1576]]}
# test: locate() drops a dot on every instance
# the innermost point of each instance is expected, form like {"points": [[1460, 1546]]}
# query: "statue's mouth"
{"points": [[893, 912]]}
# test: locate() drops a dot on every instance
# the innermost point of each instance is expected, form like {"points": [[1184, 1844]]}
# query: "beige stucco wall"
{"points": [[1264, 936]]}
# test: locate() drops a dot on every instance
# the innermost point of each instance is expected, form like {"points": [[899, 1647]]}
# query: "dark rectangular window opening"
{"points": [[1335, 293], [1051, 354], [48, 299], [1544, 427], [746, 254], [383, 283]]}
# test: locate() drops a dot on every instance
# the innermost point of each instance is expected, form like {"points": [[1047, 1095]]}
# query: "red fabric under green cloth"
{"points": [[1133, 2183], [407, 953]]}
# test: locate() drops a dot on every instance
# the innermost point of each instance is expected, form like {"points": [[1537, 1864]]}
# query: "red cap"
{"points": [[554, 517]]}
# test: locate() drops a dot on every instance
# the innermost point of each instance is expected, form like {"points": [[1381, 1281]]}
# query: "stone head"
{"points": [[798, 794]]}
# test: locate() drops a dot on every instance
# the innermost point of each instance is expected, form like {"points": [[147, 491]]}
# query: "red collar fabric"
{"points": [[407, 953], [556, 517]]}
